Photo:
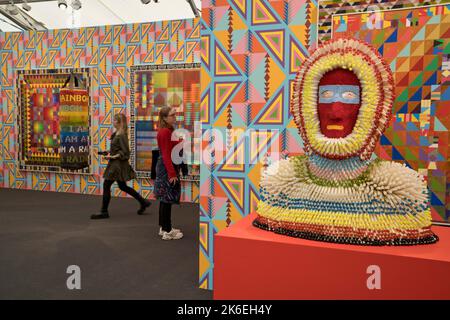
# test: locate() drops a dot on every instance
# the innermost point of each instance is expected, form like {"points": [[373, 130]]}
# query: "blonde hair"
{"points": [[164, 113], [123, 126]]}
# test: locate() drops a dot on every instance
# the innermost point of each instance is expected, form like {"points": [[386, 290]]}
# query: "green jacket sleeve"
{"points": [[124, 147]]}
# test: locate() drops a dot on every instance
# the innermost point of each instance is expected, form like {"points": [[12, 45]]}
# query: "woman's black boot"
{"points": [[100, 215], [144, 205]]}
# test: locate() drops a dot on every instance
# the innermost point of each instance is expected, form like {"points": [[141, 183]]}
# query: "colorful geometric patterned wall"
{"points": [[328, 8], [250, 52], [416, 44], [110, 51]]}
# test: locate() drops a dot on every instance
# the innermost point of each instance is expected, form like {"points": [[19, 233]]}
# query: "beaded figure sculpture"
{"points": [[337, 192]]}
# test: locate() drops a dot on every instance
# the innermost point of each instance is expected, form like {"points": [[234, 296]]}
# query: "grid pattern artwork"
{"points": [[329, 8], [38, 97], [416, 44], [177, 86]]}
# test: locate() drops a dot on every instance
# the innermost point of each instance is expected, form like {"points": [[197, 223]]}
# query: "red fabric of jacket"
{"points": [[166, 145]]}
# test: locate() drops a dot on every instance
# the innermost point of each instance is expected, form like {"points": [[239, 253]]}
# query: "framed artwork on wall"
{"points": [[155, 86], [54, 120], [328, 9]]}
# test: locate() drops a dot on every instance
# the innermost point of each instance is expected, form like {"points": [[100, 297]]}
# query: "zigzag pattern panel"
{"points": [[250, 52], [416, 44], [2, 103], [109, 51]]}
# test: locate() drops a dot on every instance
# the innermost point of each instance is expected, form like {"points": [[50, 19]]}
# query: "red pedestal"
{"points": [[250, 263]]}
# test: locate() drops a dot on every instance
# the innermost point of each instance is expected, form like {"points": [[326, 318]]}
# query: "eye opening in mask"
{"points": [[327, 94], [339, 93], [349, 95]]}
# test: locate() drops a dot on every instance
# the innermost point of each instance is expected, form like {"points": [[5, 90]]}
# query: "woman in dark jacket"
{"points": [[118, 168], [167, 182]]}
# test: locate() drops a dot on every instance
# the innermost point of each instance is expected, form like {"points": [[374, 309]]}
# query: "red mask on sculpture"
{"points": [[338, 102]]}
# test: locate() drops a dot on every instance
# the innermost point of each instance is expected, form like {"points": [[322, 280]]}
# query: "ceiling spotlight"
{"points": [[12, 8], [26, 6], [62, 4], [76, 4], [146, 1]]}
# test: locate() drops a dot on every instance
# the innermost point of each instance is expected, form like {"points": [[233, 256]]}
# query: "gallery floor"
{"points": [[43, 233]]}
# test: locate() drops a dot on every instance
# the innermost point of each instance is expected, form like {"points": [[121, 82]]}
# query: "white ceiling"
{"points": [[6, 25], [104, 12]]}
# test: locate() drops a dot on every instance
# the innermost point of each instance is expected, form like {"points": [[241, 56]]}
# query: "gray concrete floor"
{"points": [[42, 233]]}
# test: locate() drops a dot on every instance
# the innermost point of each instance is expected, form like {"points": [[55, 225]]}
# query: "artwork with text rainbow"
{"points": [[338, 192]]}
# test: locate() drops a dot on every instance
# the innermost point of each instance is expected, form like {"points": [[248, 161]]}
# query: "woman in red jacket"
{"points": [[167, 182]]}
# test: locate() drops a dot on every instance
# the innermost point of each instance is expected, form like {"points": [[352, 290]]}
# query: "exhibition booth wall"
{"points": [[114, 64], [260, 45], [249, 52]]}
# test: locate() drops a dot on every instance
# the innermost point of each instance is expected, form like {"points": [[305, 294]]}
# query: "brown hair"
{"points": [[164, 113], [123, 126]]}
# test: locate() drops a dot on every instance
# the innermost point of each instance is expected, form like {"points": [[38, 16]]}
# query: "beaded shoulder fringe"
{"points": [[309, 235]]}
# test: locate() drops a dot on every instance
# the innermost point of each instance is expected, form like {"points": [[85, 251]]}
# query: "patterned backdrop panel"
{"points": [[154, 87], [250, 51], [416, 44], [109, 52]]}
